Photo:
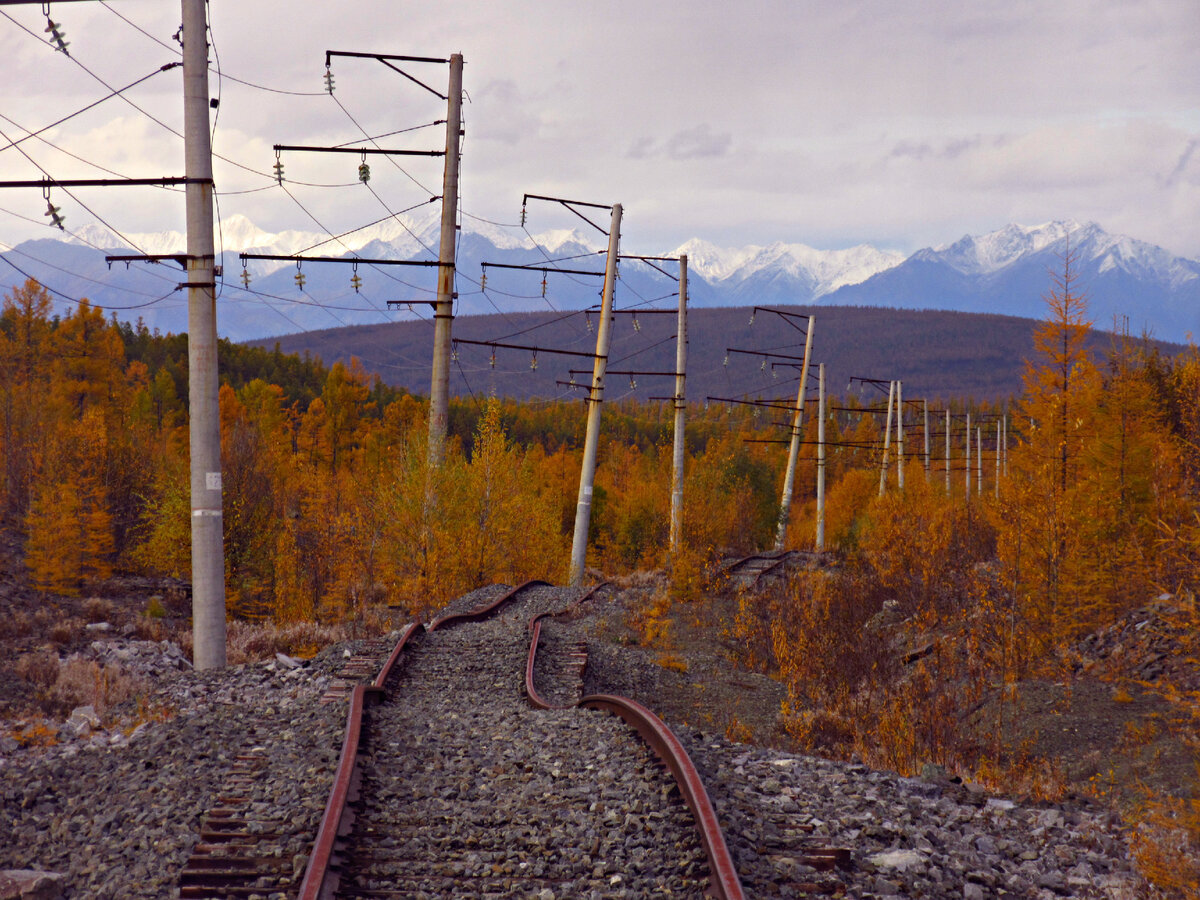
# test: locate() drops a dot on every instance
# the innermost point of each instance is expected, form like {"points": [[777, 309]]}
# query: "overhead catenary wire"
{"points": [[84, 109]]}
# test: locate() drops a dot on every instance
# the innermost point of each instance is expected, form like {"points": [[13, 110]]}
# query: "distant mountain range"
{"points": [[1126, 281]]}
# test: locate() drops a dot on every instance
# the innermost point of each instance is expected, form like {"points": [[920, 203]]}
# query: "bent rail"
{"points": [[409, 631], [476, 615], [536, 700], [320, 881], [725, 882], [337, 817]]}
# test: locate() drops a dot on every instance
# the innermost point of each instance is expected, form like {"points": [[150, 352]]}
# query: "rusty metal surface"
{"points": [[318, 872], [725, 881], [536, 700], [320, 879], [384, 672], [477, 614]]}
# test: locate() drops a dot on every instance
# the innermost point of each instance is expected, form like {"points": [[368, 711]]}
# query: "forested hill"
{"points": [[937, 354]]}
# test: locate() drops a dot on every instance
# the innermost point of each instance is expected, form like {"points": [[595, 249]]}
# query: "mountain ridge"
{"points": [[1005, 271]]}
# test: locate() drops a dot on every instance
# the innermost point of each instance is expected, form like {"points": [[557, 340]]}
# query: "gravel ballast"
{"points": [[119, 815]]}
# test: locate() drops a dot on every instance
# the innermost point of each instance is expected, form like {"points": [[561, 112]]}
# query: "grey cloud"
{"points": [[642, 148], [948, 149], [698, 142]]}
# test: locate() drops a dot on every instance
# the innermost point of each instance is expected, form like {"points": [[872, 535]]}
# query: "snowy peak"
{"points": [[987, 253], [823, 271], [991, 253]]}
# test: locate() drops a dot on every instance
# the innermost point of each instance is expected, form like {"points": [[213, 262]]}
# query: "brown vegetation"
{"points": [[911, 650]]}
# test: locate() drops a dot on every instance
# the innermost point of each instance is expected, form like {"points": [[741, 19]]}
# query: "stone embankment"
{"points": [[117, 814]]}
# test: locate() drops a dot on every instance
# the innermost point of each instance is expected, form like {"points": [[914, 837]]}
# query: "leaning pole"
{"points": [[587, 476]]}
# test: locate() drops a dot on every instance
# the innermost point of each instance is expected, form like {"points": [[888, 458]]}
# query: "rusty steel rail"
{"points": [[320, 880], [338, 817], [725, 882], [476, 615], [774, 560], [411, 629], [536, 700]]}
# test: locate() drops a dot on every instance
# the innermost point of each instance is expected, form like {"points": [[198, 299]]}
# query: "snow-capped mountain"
{"points": [[1004, 271], [743, 271], [1125, 281]]}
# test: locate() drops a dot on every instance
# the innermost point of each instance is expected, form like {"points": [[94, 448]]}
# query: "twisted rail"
{"points": [[725, 882], [320, 879]]}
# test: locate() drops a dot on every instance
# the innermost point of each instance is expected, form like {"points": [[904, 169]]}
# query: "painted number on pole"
{"points": [[212, 481]]}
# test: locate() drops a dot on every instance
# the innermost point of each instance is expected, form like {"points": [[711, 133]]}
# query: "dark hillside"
{"points": [[937, 354]]}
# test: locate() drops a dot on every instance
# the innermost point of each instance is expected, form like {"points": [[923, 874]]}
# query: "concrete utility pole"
{"points": [[996, 491], [1004, 420], [979, 460], [439, 391], [583, 509], [789, 478], [900, 435], [821, 457], [928, 459], [208, 552], [887, 439], [680, 405], [968, 457], [947, 451]]}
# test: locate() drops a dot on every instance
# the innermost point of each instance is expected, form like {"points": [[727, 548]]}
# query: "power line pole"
{"points": [[967, 483], [887, 439], [680, 378], [789, 478], [439, 391], [927, 449], [583, 509], [820, 457], [900, 435], [999, 430], [979, 460], [948, 487], [208, 553]]}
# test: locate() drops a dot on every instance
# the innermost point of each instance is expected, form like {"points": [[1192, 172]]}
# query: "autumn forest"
{"points": [[328, 515]]}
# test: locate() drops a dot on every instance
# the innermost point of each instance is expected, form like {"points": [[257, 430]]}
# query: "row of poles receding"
{"points": [[199, 261]]}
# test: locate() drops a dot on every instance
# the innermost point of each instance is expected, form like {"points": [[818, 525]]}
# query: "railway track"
{"points": [[456, 782], [749, 572]]}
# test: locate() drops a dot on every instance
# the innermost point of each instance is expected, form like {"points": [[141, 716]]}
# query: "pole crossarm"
{"points": [[765, 354], [651, 260], [531, 349], [795, 365], [860, 409], [46, 183], [777, 404], [356, 260], [621, 372], [380, 56], [491, 265], [387, 59], [180, 258], [883, 384], [786, 316], [569, 204], [279, 148]]}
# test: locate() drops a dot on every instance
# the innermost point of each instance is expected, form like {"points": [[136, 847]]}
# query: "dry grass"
{"points": [[16, 624], [250, 642], [62, 685], [98, 609]]}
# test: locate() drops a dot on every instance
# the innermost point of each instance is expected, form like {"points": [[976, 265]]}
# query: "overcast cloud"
{"points": [[900, 124]]}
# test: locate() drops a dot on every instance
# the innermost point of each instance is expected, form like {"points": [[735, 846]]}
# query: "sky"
{"points": [[895, 123]]}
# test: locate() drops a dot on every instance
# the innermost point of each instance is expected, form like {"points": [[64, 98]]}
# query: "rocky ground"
{"points": [[111, 801]]}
